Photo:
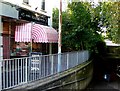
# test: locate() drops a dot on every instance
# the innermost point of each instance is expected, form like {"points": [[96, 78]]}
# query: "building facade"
{"points": [[15, 16]]}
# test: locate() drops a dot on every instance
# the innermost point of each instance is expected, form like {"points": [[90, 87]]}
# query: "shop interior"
{"points": [[12, 49]]}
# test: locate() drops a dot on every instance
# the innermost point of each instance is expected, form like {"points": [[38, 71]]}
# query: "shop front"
{"points": [[28, 32], [31, 34], [31, 37]]}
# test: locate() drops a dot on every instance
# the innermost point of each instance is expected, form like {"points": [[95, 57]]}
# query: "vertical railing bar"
{"points": [[40, 67], [83, 56], [7, 74], [21, 70], [38, 73], [48, 64], [32, 71], [10, 71], [3, 74], [18, 72], [55, 65], [15, 71], [35, 68], [26, 70], [44, 65], [52, 64], [61, 68], [29, 68], [67, 60], [77, 59], [64, 62], [47, 61]]}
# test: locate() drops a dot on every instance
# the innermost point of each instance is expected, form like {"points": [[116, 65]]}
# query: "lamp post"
{"points": [[60, 27], [59, 37]]}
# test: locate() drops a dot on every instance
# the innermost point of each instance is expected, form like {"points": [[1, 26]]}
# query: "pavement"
{"points": [[103, 85]]}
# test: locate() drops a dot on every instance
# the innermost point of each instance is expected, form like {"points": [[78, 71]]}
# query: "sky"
{"points": [[64, 3], [56, 4]]}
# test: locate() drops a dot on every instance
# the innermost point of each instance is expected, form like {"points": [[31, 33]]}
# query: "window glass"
{"points": [[43, 5], [26, 1]]}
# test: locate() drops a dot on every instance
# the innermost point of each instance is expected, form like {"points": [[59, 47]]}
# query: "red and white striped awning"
{"points": [[23, 32], [36, 32]]}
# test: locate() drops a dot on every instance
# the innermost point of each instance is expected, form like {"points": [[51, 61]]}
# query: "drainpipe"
{"points": [[59, 37], [1, 51]]}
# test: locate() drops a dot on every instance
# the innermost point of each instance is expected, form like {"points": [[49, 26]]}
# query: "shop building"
{"points": [[24, 30]]}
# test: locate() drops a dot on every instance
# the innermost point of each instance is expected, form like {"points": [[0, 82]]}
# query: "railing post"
{"points": [[59, 62]]}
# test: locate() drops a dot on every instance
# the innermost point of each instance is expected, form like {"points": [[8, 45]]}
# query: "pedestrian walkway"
{"points": [[102, 85]]}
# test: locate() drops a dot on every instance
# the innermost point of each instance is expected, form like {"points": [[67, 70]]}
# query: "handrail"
{"points": [[23, 70]]}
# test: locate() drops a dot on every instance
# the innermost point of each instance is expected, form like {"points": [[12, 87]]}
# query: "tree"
{"points": [[79, 29], [110, 14], [55, 18]]}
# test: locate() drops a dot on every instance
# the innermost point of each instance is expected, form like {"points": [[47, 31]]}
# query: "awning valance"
{"points": [[36, 32]]}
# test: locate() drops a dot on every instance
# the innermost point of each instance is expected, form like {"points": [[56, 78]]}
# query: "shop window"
{"points": [[43, 5], [6, 28], [26, 1]]}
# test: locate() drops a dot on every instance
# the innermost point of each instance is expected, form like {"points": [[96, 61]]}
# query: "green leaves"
{"points": [[110, 19], [80, 26]]}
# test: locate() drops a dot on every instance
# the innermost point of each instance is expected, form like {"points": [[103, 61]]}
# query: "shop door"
{"points": [[6, 46]]}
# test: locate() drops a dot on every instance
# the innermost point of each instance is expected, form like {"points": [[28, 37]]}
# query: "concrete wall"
{"points": [[75, 78]]}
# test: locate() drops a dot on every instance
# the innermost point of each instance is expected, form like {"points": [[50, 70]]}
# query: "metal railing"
{"points": [[22, 70]]}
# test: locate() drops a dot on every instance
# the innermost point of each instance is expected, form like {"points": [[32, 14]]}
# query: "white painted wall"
{"points": [[33, 4], [7, 10], [48, 8]]}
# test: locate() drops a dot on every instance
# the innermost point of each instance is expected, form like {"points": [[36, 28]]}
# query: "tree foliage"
{"points": [[82, 25], [110, 13]]}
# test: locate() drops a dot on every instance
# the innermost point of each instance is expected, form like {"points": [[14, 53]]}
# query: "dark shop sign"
{"points": [[33, 17]]}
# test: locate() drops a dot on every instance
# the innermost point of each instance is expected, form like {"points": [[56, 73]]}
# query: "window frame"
{"points": [[43, 5], [26, 1]]}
